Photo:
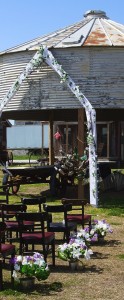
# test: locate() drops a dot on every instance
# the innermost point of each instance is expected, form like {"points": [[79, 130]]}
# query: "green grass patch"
{"points": [[120, 256], [116, 212]]}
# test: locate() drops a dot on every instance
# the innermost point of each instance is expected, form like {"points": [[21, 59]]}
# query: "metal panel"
{"points": [[10, 67], [98, 71], [27, 137]]}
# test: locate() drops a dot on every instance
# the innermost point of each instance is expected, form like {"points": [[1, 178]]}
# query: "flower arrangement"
{"points": [[75, 249], [30, 266], [83, 234], [73, 166], [100, 228]]}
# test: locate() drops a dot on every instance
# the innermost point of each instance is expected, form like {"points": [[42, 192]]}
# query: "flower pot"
{"points": [[27, 283], [73, 265], [100, 238]]}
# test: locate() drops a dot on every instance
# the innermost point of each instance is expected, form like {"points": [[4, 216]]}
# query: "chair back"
{"points": [[34, 201], [58, 209], [62, 224], [77, 213], [2, 232], [77, 204], [4, 194], [38, 219], [9, 210]]}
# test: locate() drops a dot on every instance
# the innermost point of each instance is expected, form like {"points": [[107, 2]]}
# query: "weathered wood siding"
{"points": [[98, 71]]}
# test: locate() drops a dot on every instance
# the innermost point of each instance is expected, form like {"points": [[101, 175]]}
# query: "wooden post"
{"points": [[80, 147], [108, 138], [66, 138], [51, 150], [42, 127]]}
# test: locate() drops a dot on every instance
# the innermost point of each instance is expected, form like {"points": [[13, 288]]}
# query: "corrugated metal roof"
{"points": [[96, 29]]}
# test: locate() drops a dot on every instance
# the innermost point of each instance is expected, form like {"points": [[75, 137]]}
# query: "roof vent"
{"points": [[95, 14]]}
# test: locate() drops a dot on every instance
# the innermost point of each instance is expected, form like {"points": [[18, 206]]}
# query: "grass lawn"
{"points": [[101, 277]]}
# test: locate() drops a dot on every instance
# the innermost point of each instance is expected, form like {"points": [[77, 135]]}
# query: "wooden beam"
{"points": [[51, 148], [66, 138], [80, 147]]}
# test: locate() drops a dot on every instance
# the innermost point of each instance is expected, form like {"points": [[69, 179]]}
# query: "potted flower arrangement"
{"points": [[83, 234], [30, 267], [73, 251], [99, 229]]}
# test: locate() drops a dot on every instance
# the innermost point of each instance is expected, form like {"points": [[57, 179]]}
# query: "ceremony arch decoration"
{"points": [[45, 55]]}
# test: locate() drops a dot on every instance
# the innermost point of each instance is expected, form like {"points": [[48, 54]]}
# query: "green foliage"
{"points": [[121, 256]]}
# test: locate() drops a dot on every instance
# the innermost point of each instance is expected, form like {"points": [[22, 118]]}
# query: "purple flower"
{"points": [[72, 240], [87, 229], [104, 221]]}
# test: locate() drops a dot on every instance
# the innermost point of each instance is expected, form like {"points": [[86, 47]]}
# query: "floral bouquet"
{"points": [[83, 234], [30, 266], [74, 250], [100, 228]]}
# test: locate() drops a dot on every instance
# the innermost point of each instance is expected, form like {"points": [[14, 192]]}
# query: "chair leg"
{"points": [[53, 253], [90, 225], [67, 236], [12, 268], [1, 277]]}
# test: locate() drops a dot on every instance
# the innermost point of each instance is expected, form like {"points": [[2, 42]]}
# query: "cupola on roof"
{"points": [[95, 14], [96, 29]]}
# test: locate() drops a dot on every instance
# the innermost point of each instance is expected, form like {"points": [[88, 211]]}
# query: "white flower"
{"points": [[19, 258], [92, 232], [17, 267], [24, 261], [63, 247], [41, 262], [14, 274], [82, 234], [88, 253]]}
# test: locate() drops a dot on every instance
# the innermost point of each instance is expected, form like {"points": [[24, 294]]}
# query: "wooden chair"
{"points": [[4, 194], [39, 236], [6, 251], [77, 214], [59, 226], [8, 214], [37, 201]]}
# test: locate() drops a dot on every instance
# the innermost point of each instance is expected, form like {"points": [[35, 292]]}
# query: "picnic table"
{"points": [[15, 176]]}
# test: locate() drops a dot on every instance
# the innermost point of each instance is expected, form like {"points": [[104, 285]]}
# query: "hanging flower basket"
{"points": [[57, 135]]}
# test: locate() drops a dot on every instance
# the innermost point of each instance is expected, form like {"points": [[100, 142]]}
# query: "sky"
{"points": [[24, 20]]}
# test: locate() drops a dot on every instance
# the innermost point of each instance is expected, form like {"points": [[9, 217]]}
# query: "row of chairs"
{"points": [[38, 228], [80, 218]]}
